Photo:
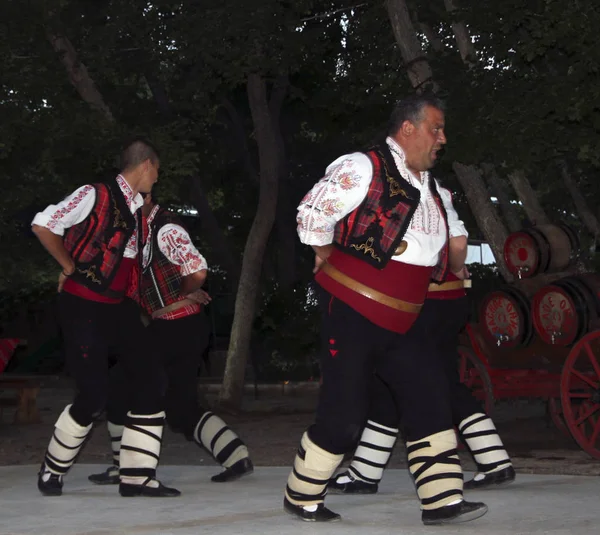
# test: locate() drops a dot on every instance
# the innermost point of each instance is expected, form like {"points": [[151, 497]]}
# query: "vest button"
{"points": [[401, 248]]}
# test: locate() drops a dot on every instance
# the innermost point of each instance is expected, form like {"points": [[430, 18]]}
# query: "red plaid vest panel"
{"points": [[374, 230], [161, 280], [97, 243]]}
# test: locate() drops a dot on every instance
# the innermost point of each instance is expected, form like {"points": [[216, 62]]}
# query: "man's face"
{"points": [[425, 139], [149, 175]]}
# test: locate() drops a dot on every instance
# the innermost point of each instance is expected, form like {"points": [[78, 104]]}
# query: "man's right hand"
{"points": [[322, 253], [62, 278], [200, 296]]}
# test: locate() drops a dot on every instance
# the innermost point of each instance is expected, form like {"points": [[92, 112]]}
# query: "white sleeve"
{"points": [[72, 210], [455, 226], [339, 192], [175, 243]]}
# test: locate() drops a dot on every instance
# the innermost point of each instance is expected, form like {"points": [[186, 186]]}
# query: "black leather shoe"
{"points": [[492, 480], [109, 477], [454, 514], [354, 486], [52, 487], [322, 514], [235, 471], [129, 491]]}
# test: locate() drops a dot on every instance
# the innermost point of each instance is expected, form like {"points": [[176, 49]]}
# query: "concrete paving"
{"points": [[532, 505]]}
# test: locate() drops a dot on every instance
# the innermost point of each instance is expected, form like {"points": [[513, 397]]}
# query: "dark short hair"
{"points": [[137, 151], [411, 109]]}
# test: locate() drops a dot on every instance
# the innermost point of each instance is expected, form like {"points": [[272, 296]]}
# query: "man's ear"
{"points": [[407, 128]]}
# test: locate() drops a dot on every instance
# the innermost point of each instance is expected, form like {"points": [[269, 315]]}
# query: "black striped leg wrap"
{"points": [[223, 444], [433, 461], [373, 452], [140, 447], [313, 467], [115, 432], [480, 435], [65, 443]]}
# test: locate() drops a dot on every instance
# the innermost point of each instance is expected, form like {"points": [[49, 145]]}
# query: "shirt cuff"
{"points": [[189, 268], [458, 230], [316, 238], [42, 220]]}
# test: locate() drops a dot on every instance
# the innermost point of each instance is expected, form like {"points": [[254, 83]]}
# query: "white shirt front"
{"points": [[74, 208], [175, 243], [345, 186]]}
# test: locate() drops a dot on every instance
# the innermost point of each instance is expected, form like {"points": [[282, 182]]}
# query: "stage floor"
{"points": [[533, 504]]}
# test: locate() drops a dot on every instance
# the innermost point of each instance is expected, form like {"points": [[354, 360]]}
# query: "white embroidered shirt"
{"points": [[175, 243], [345, 186], [74, 208]]}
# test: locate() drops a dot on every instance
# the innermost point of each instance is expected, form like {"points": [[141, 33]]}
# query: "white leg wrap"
{"points": [[373, 452], [223, 444], [313, 467], [433, 461], [140, 447], [65, 443], [116, 434], [485, 444]]}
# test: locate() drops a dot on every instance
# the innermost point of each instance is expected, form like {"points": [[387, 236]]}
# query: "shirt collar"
{"points": [[152, 214], [133, 201], [400, 158]]}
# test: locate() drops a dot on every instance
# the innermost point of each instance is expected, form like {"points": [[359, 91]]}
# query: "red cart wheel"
{"points": [[580, 393], [474, 375], [558, 418]]}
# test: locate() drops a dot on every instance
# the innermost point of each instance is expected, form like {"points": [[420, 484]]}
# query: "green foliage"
{"points": [[286, 335], [166, 69]]}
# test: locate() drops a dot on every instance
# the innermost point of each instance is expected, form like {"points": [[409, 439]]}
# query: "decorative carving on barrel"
{"points": [[540, 249], [567, 309], [506, 318]]}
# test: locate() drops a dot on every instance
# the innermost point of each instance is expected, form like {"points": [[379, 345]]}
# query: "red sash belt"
{"points": [[391, 297]]}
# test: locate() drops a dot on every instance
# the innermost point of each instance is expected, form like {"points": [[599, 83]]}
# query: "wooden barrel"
{"points": [[567, 309], [505, 317], [540, 249]]}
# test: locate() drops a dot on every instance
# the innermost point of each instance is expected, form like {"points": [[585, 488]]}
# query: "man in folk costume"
{"points": [[93, 234], [171, 292], [379, 230], [448, 302]]}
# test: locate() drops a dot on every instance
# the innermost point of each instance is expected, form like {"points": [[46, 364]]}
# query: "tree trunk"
{"points": [[529, 199], [78, 74], [501, 191], [487, 220], [585, 213], [213, 233], [417, 66], [431, 36], [461, 34], [254, 251]]}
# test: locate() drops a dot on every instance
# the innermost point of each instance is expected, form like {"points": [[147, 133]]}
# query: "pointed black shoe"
{"points": [[492, 480], [109, 477], [354, 486], [454, 514], [235, 471], [52, 487], [322, 514], [129, 491]]}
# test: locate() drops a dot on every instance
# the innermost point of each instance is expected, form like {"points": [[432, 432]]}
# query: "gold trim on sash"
{"points": [[450, 285], [370, 293]]}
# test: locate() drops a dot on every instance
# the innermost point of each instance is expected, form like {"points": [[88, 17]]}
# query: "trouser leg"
{"points": [[346, 368]]}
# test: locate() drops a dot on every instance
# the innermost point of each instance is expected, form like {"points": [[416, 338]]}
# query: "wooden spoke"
{"points": [[585, 378], [589, 412], [593, 360]]}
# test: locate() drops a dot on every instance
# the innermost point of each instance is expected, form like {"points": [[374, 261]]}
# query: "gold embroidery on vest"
{"points": [[395, 188], [90, 273], [119, 221], [367, 248]]}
